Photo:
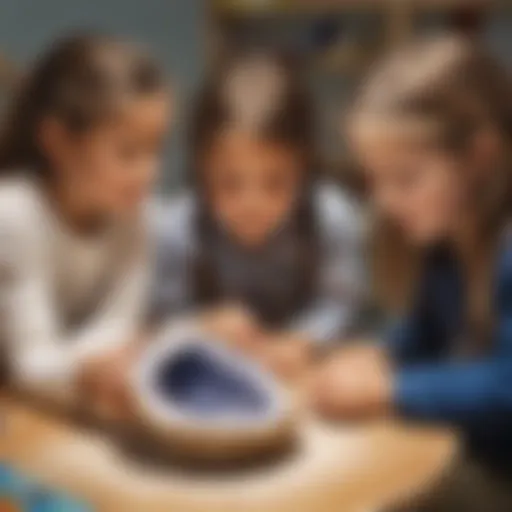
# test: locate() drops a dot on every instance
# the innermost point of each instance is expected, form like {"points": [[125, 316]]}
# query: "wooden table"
{"points": [[338, 469]]}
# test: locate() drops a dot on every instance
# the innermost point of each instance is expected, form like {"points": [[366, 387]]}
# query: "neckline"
{"points": [[63, 227]]}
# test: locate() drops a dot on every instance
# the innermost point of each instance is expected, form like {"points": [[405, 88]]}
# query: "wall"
{"points": [[174, 28]]}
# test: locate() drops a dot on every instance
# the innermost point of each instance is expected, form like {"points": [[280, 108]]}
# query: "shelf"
{"points": [[346, 59], [241, 9], [365, 28], [269, 8]]}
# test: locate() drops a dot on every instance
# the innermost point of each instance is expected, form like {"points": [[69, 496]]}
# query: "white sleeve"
{"points": [[42, 357], [340, 290], [170, 292]]}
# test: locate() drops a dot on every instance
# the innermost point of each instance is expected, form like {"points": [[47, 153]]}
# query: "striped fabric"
{"points": [[269, 276]]}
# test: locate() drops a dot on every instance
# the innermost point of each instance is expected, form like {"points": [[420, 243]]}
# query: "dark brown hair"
{"points": [[444, 92], [81, 80], [289, 120]]}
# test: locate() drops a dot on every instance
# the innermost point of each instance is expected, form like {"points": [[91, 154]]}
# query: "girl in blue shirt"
{"points": [[433, 128]]}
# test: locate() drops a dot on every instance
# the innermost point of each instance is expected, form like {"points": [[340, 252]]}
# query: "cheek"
{"points": [[433, 207], [426, 208], [109, 183], [441, 199], [227, 206], [279, 203], [105, 174]]}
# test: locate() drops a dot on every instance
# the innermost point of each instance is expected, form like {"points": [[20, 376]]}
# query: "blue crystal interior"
{"points": [[204, 384]]}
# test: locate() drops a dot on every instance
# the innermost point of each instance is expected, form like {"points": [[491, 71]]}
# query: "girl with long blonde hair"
{"points": [[432, 126]]}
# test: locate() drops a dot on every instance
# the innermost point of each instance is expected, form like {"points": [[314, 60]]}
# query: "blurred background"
{"points": [[336, 40]]}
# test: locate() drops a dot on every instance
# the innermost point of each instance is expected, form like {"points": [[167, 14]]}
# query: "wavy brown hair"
{"points": [[443, 92], [81, 80]]}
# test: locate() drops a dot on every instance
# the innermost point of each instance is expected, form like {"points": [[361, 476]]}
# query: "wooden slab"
{"points": [[349, 469]]}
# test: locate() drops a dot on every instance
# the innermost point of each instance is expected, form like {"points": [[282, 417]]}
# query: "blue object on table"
{"points": [[206, 400], [191, 382], [19, 493], [199, 381]]}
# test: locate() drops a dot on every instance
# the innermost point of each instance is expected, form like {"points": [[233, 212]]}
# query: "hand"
{"points": [[104, 380], [232, 324], [287, 356], [356, 383]]}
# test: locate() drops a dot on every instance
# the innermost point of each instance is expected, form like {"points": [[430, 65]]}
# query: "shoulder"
{"points": [[339, 214], [21, 207], [21, 195], [22, 222], [171, 220]]}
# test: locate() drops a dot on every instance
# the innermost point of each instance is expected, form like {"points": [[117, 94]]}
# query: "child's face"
{"points": [[252, 185], [417, 188], [111, 167]]}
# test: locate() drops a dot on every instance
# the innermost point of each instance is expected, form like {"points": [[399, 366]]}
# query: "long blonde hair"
{"points": [[445, 91]]}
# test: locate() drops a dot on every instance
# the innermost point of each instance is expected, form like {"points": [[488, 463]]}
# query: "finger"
{"points": [[320, 391], [117, 400]]}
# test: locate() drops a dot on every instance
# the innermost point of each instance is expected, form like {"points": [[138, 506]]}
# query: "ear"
{"points": [[53, 139]]}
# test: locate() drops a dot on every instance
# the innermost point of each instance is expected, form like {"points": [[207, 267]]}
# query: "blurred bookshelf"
{"points": [[336, 42], [9, 78]]}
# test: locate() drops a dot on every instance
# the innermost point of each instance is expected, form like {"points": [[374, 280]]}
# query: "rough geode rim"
{"points": [[159, 413]]}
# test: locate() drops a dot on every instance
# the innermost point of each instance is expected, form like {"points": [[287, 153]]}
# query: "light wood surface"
{"points": [[335, 468]]}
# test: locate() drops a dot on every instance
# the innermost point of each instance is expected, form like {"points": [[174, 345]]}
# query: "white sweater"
{"points": [[63, 298]]}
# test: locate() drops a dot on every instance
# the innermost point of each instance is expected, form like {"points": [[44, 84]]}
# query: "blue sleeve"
{"points": [[460, 394], [464, 394], [417, 336]]}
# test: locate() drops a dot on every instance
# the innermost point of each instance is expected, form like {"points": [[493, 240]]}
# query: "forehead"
{"points": [[377, 141], [145, 111], [247, 144], [144, 114]]}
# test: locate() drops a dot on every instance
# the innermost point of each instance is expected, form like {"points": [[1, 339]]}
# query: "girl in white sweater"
{"points": [[77, 158]]}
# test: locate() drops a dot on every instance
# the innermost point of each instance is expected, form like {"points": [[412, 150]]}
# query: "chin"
{"points": [[253, 239]]}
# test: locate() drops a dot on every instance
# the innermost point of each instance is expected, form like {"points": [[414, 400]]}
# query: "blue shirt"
{"points": [[432, 384]]}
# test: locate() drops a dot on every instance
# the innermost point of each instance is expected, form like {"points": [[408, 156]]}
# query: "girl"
{"points": [[433, 128], [77, 157], [259, 229]]}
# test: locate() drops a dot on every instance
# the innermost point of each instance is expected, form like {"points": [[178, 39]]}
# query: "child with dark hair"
{"points": [[260, 243], [77, 157]]}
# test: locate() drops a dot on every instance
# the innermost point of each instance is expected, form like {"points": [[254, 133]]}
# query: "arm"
{"points": [[459, 394], [463, 393], [340, 289], [43, 358], [170, 294]]}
